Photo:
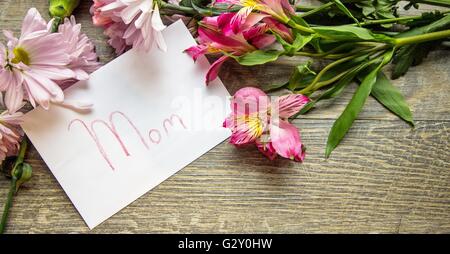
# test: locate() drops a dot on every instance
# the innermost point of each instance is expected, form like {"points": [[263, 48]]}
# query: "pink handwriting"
{"points": [[154, 135]]}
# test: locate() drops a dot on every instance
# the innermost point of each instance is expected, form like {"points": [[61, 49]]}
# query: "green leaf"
{"points": [[299, 20], [299, 42], [390, 97], [441, 24], [300, 72], [344, 9], [346, 119], [348, 116], [414, 54], [378, 9], [272, 87], [350, 33], [345, 33], [257, 57]]}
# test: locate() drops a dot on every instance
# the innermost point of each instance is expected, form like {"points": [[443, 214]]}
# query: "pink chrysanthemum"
{"points": [[83, 59], [127, 23], [32, 63], [36, 65], [10, 134]]}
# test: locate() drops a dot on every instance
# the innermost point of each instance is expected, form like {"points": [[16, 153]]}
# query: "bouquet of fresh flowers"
{"points": [[355, 40], [344, 41]]}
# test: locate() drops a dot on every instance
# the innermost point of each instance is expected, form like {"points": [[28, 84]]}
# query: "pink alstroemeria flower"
{"points": [[216, 35], [10, 134], [278, 9], [255, 119]]}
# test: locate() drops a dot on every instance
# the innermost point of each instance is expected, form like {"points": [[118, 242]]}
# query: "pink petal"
{"points": [[239, 19], [14, 99], [249, 100], [263, 41], [54, 73], [289, 105], [130, 12], [221, 39], [286, 141], [157, 22], [267, 149], [33, 22], [244, 130], [196, 51], [253, 19], [224, 22], [211, 21], [288, 9], [255, 31], [158, 26], [279, 28], [214, 69]]}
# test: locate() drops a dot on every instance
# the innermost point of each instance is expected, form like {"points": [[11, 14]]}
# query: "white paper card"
{"points": [[152, 116]]}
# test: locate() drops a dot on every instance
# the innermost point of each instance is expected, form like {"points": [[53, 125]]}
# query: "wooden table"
{"points": [[384, 177]]}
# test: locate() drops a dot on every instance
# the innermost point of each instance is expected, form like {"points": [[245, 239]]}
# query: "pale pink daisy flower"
{"points": [[83, 59], [32, 63], [106, 14], [145, 25], [127, 23], [10, 134]]}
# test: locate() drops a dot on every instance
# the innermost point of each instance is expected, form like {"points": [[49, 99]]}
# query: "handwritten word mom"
{"points": [[153, 136]]}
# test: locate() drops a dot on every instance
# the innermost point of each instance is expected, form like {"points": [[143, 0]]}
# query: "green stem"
{"points": [[55, 25], [304, 8], [12, 190], [22, 151], [182, 9], [422, 38], [314, 85], [13, 186], [292, 24], [330, 55], [310, 87], [317, 9], [393, 20]]}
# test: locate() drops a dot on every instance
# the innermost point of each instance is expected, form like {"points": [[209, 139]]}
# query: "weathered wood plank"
{"points": [[383, 178]]}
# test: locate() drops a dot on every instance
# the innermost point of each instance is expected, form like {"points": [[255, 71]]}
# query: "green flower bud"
{"points": [[62, 8], [22, 172]]}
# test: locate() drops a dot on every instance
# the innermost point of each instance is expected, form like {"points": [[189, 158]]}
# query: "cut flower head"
{"points": [[130, 23], [33, 65], [263, 121], [220, 35]]}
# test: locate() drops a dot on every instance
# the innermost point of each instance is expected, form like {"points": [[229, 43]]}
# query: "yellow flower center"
{"points": [[254, 124], [20, 55]]}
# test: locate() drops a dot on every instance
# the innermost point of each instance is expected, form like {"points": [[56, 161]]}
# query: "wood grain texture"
{"points": [[384, 177]]}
